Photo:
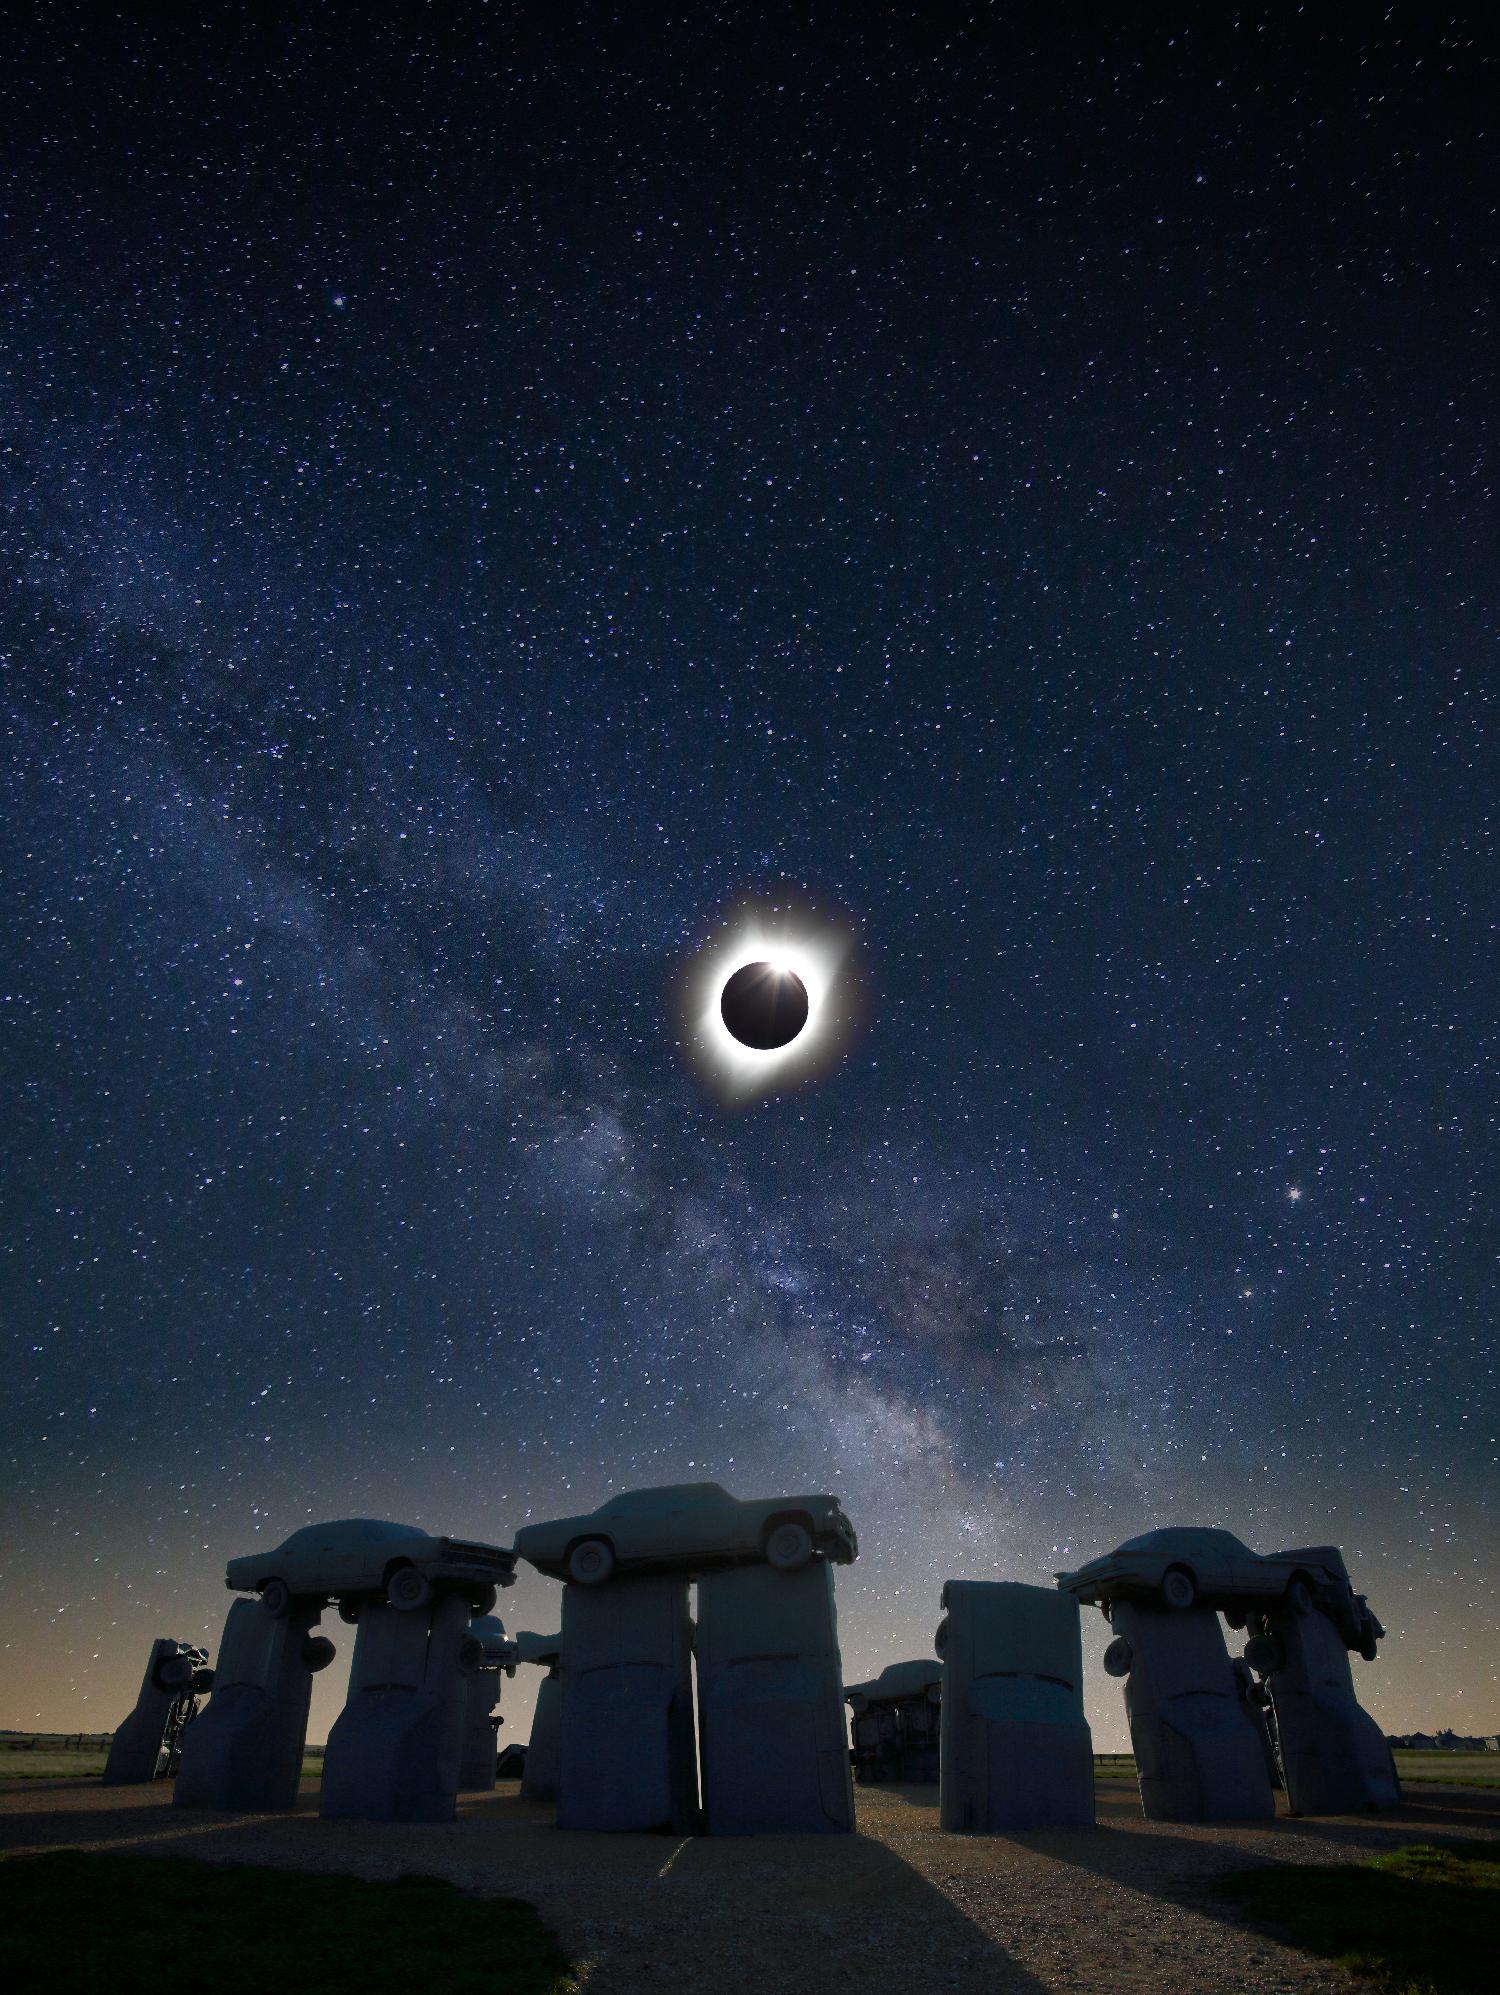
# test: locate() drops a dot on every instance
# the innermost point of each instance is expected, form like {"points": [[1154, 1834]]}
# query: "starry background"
{"points": [[487, 489]]}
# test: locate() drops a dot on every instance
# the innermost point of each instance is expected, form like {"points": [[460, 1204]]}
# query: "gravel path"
{"points": [[899, 1909]]}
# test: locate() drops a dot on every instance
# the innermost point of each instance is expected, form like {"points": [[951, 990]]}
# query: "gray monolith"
{"points": [[395, 1749], [1016, 1749], [487, 1653], [771, 1703], [539, 1776], [135, 1752], [1333, 1754], [1199, 1754], [626, 1757], [1257, 1702], [896, 1722], [244, 1750]]}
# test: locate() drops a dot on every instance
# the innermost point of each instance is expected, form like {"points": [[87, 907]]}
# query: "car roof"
{"points": [[368, 1524], [651, 1499], [1150, 1541]]}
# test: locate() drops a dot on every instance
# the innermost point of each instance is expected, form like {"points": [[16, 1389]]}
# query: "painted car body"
{"points": [[1225, 1573], [355, 1556], [690, 1526], [897, 1682]]}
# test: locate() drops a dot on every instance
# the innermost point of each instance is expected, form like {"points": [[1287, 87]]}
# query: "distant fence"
{"points": [[57, 1742]]}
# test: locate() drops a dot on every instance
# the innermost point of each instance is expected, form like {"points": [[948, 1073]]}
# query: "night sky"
{"points": [[493, 494]]}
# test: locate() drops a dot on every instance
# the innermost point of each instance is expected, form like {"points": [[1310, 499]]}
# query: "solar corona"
{"points": [[766, 1003]]}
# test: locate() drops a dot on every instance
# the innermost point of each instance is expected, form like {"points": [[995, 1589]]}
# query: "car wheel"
{"points": [[591, 1563], [1118, 1657], [275, 1597], [940, 1639], [1234, 1617], [408, 1589], [1265, 1654], [1178, 1587], [789, 1546], [174, 1672], [934, 1693], [318, 1652], [484, 1600], [470, 1655], [203, 1682], [1368, 1644], [349, 1612]]}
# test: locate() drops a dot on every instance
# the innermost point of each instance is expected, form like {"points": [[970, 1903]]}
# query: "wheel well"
{"points": [[392, 1566], [587, 1538], [1182, 1566], [787, 1517]]}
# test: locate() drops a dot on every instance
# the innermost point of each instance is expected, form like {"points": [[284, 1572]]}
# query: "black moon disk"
{"points": [[764, 1007]]}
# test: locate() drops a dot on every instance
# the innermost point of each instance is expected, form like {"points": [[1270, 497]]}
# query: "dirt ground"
{"points": [[898, 1909]]}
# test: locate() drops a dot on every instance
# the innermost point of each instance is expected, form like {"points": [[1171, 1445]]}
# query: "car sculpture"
{"points": [[1185, 1568], [688, 1527], [360, 1558]]}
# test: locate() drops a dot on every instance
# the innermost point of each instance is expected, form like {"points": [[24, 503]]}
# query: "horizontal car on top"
{"points": [[1185, 1567], [356, 1558], [688, 1527]]}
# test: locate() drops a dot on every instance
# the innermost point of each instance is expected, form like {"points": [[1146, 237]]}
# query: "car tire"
{"points": [[1118, 1657], [940, 1639], [470, 1656], [203, 1682], [591, 1562], [1178, 1587], [1234, 1617], [317, 1652], [934, 1693], [408, 1589], [174, 1672], [276, 1597], [349, 1612], [1265, 1654], [1369, 1645], [789, 1547], [484, 1600]]}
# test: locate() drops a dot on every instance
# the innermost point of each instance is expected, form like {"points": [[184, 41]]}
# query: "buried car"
{"points": [[688, 1527], [365, 1557], [1183, 1567]]}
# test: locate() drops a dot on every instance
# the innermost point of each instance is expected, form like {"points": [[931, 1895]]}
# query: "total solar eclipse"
{"points": [[764, 1005], [768, 999]]}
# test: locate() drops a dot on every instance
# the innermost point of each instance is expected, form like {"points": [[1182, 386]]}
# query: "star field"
{"points": [[485, 494]]}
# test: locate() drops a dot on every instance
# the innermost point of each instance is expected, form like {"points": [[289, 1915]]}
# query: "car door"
{"points": [[1206, 1555]]}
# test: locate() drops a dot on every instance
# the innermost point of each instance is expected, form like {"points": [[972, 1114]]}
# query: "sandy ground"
{"points": [[898, 1909]]}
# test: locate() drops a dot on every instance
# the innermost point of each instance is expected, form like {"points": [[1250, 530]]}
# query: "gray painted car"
{"points": [[688, 1527], [1184, 1567], [895, 1681], [366, 1557]]}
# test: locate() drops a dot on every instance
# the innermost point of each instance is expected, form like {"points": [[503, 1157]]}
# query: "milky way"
{"points": [[489, 506]]}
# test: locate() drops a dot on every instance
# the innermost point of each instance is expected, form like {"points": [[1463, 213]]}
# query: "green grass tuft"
{"points": [[1421, 1920], [101, 1924]]}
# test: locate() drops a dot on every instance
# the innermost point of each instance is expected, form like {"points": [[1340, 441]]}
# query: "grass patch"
{"points": [[88, 1764], [1417, 1921], [101, 1924], [51, 1766]]}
